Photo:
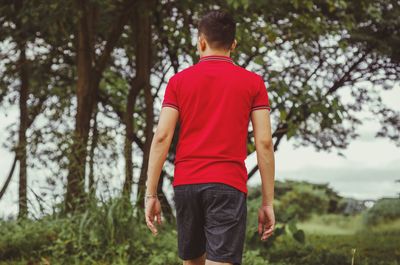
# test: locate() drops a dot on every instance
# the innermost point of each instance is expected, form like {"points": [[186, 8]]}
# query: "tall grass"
{"points": [[105, 234], [112, 231]]}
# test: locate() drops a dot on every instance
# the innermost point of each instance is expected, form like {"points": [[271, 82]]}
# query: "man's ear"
{"points": [[202, 43], [233, 45], [198, 44]]}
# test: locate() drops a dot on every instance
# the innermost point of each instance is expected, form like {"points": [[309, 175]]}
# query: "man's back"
{"points": [[214, 101], [215, 98]]}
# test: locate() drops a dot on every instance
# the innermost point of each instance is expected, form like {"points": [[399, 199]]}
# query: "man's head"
{"points": [[216, 31]]}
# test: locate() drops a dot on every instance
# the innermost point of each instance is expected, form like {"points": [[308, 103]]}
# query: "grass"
{"points": [[340, 234], [110, 235], [332, 224]]}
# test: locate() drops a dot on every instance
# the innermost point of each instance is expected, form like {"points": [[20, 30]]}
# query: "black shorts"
{"points": [[211, 218]]}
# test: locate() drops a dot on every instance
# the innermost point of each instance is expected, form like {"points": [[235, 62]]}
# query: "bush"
{"points": [[24, 238], [385, 209], [106, 234], [302, 201], [114, 232]]}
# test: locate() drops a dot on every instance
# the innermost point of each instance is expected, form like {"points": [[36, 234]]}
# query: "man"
{"points": [[214, 101]]}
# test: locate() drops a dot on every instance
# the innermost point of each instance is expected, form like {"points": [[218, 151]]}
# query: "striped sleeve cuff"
{"points": [[261, 107], [170, 105]]}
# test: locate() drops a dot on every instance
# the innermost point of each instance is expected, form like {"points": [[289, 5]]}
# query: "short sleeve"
{"points": [[260, 100], [170, 95]]}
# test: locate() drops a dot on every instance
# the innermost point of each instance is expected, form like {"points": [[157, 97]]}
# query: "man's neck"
{"points": [[213, 52]]}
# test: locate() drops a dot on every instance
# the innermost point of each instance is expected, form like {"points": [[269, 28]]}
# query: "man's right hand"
{"points": [[266, 221]]}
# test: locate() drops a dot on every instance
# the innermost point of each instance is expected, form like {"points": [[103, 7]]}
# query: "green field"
{"points": [[110, 233], [335, 240]]}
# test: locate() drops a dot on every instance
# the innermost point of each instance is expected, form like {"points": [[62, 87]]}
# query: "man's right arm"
{"points": [[260, 119], [266, 163]]}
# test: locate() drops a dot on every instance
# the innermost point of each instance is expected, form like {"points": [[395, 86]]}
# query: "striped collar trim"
{"points": [[216, 58]]}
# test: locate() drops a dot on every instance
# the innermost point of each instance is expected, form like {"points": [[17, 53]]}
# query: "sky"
{"points": [[368, 170]]}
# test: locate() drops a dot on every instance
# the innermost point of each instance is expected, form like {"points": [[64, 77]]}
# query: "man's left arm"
{"points": [[158, 153], [159, 147]]}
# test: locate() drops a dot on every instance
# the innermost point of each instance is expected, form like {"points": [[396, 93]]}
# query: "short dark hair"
{"points": [[219, 29]]}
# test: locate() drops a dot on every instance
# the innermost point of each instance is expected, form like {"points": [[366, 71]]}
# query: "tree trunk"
{"points": [[147, 145], [93, 145], [143, 67], [22, 141], [8, 179], [90, 72], [86, 96], [165, 206], [129, 136], [142, 27]]}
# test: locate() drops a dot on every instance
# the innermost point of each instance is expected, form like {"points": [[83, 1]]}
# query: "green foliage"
{"points": [[114, 232], [255, 257], [302, 201], [25, 238], [371, 248], [109, 234], [282, 188], [331, 224], [384, 210]]}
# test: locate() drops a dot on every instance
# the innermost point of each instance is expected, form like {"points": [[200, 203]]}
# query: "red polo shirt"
{"points": [[214, 98]]}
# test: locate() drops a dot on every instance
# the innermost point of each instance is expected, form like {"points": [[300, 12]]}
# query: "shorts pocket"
{"points": [[223, 206], [179, 197]]}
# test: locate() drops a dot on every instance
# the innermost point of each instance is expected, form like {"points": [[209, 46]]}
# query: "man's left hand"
{"points": [[152, 212]]}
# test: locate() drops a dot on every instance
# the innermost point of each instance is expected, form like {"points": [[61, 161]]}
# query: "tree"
{"points": [[19, 19], [105, 68], [90, 68]]}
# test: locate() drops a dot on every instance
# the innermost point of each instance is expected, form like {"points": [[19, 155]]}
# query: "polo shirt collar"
{"points": [[216, 58]]}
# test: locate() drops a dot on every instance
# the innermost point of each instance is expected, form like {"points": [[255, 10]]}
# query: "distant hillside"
{"points": [[304, 198]]}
